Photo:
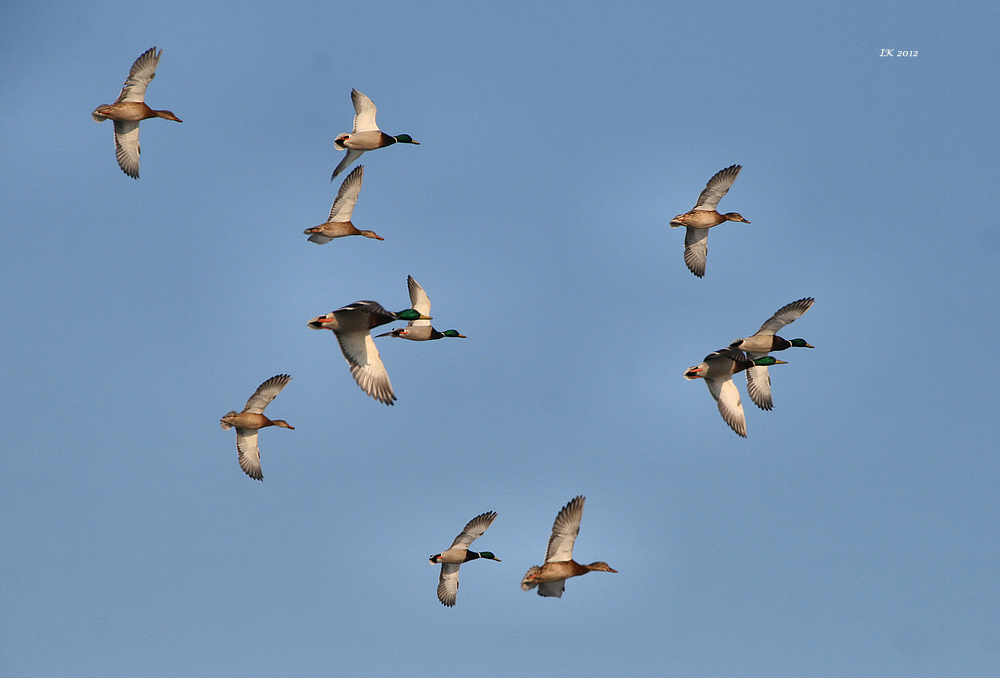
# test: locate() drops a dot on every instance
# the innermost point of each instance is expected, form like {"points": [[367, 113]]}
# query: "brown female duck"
{"points": [[559, 565], [339, 225], [251, 420], [130, 108], [704, 216]]}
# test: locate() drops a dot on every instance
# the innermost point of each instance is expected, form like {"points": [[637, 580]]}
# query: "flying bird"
{"points": [[251, 420], [704, 216], [366, 135], [419, 330], [765, 341], [559, 565], [459, 553], [130, 108], [352, 325], [339, 225], [717, 370]]}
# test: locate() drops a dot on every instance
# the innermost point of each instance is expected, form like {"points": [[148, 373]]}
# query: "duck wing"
{"points": [[139, 76], [366, 365], [266, 392], [564, 531], [350, 157], [552, 589], [717, 187], [364, 113], [419, 301], [246, 446], [347, 196], [728, 397], [474, 529], [448, 584], [696, 250], [785, 315], [759, 385], [127, 146]]}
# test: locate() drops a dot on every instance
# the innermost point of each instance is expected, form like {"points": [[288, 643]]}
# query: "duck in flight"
{"points": [[130, 108]]}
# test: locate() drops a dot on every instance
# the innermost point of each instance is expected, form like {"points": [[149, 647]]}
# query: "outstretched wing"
{"points": [[347, 196], [759, 386], [788, 313], [419, 301], [246, 447], [350, 157], [564, 531], [726, 394], [127, 146], [366, 365], [364, 113], [474, 529], [142, 71], [717, 187], [448, 584], [266, 392], [696, 250]]}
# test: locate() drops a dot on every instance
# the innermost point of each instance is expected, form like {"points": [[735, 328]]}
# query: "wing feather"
{"points": [[419, 301], [717, 187], [246, 447], [448, 584], [139, 76], [785, 315], [728, 397], [366, 365], [347, 196], [474, 529], [349, 157], [564, 531], [266, 392], [364, 113], [127, 146], [696, 250], [759, 386]]}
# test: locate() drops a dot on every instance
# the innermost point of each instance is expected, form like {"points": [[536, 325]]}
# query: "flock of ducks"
{"points": [[352, 326], [749, 354]]}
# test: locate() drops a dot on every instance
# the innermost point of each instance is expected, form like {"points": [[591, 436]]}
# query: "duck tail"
{"points": [[529, 582], [225, 424]]}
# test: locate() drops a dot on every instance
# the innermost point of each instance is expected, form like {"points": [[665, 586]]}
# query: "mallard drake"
{"points": [[717, 370], [366, 135], [704, 216], [339, 224], [353, 325], [251, 420], [419, 330], [765, 341], [130, 108], [559, 565], [459, 553]]}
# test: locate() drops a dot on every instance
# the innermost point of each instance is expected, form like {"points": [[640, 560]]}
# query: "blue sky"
{"points": [[855, 532]]}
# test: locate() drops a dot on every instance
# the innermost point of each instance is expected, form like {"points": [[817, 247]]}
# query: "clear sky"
{"points": [[856, 532]]}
